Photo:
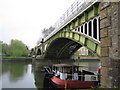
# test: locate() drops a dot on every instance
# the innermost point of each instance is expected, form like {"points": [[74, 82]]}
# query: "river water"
{"points": [[29, 74]]}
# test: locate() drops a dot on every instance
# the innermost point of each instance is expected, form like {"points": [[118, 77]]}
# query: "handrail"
{"points": [[75, 9]]}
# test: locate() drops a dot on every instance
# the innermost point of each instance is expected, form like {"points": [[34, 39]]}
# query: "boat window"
{"points": [[75, 69], [67, 70], [60, 69]]}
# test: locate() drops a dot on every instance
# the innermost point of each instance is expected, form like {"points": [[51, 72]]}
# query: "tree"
{"points": [[47, 31], [3, 48], [17, 48]]}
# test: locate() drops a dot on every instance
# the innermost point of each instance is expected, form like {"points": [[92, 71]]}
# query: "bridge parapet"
{"points": [[90, 29], [73, 12], [84, 26], [75, 38]]}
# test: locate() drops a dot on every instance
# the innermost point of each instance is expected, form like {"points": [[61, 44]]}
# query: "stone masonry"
{"points": [[110, 44]]}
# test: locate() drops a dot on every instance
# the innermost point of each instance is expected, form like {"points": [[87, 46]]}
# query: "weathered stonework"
{"points": [[119, 44], [105, 62], [104, 33], [105, 82], [110, 44], [106, 42], [104, 15], [104, 5], [106, 22], [104, 52]]}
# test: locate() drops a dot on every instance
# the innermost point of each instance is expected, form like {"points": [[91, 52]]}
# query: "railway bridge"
{"points": [[91, 23]]}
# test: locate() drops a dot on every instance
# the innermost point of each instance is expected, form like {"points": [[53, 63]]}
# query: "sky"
{"points": [[24, 20]]}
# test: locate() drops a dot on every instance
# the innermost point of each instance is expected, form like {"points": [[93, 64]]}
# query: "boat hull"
{"points": [[58, 83]]}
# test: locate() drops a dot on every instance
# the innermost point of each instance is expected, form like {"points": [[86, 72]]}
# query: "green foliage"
{"points": [[3, 48], [16, 70], [0, 47], [9, 57], [17, 48]]}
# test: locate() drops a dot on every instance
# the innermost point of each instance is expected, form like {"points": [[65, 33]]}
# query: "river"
{"points": [[29, 74]]}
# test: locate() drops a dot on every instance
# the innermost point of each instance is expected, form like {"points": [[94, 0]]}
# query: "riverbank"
{"points": [[4, 58], [87, 58]]}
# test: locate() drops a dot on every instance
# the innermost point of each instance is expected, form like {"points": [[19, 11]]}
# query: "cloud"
{"points": [[24, 19]]}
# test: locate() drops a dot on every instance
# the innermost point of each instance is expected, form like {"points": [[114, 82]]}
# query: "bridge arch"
{"points": [[87, 34], [65, 43], [39, 52], [61, 48]]}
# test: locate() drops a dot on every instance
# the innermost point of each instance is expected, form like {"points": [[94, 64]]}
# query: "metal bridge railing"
{"points": [[77, 7]]}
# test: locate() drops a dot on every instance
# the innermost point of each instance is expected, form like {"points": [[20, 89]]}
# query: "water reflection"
{"points": [[27, 75], [39, 75], [16, 71], [17, 75], [0, 69]]}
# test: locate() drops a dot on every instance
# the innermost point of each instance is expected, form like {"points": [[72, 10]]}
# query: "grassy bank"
{"points": [[87, 57], [6, 57]]}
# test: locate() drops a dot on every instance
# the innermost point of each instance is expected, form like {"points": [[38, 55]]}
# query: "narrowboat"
{"points": [[72, 76]]}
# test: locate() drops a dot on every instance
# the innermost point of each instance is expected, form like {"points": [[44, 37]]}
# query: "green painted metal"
{"points": [[76, 36], [66, 31], [86, 16], [91, 14], [82, 18], [77, 22], [81, 39], [71, 26], [68, 27], [98, 49], [96, 9], [62, 34], [67, 34], [71, 35], [90, 44]]}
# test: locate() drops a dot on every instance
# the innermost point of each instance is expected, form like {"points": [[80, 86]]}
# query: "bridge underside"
{"points": [[62, 48], [83, 30]]}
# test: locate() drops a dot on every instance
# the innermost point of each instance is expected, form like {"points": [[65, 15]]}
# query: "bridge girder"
{"points": [[83, 30], [59, 47]]}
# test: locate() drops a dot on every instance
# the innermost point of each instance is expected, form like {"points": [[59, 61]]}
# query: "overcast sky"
{"points": [[24, 19]]}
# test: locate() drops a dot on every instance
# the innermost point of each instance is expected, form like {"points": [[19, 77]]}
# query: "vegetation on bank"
{"points": [[88, 58], [16, 50], [4, 57]]}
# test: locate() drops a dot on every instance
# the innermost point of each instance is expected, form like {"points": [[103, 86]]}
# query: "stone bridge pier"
{"points": [[110, 44]]}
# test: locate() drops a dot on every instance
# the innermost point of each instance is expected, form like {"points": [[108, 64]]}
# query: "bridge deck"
{"points": [[73, 11]]}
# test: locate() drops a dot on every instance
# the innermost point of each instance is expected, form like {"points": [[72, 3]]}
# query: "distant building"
{"points": [[83, 51]]}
